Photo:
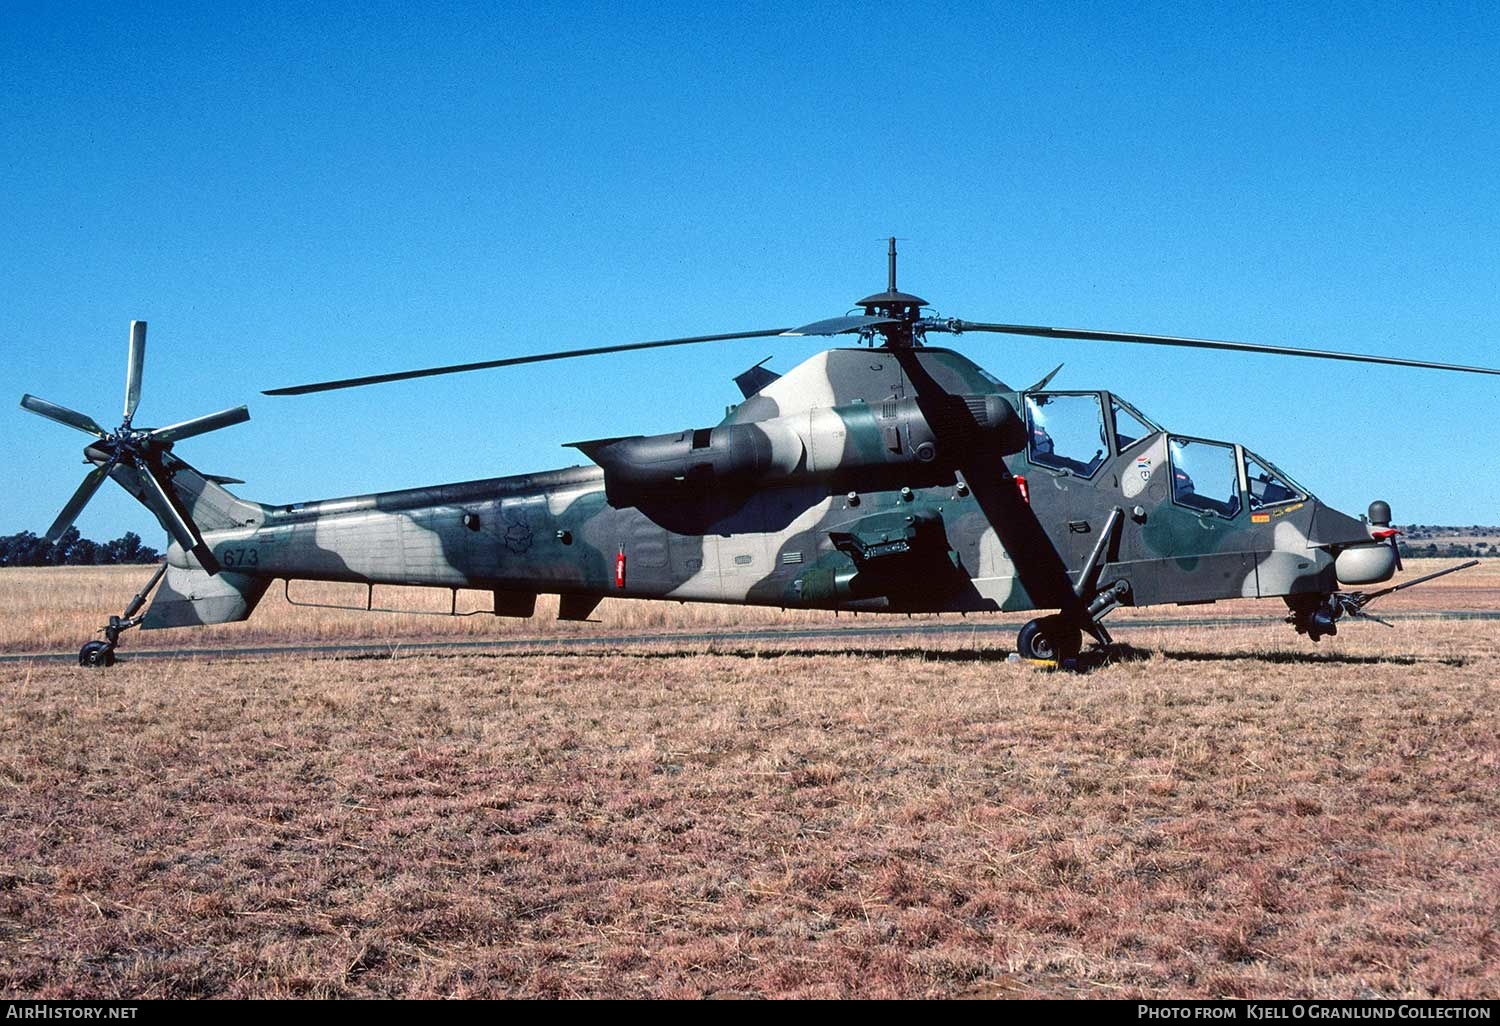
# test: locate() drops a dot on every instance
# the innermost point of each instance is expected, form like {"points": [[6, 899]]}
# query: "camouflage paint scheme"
{"points": [[844, 484]]}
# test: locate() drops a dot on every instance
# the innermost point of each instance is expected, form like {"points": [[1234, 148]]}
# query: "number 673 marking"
{"points": [[239, 557]]}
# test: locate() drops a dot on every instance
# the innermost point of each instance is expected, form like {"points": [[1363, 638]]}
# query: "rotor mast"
{"points": [[900, 308]]}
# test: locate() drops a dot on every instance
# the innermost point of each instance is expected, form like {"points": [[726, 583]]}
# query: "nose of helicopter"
{"points": [[1373, 561]]}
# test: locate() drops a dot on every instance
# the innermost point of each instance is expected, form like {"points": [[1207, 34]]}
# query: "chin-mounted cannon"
{"points": [[1317, 616]]}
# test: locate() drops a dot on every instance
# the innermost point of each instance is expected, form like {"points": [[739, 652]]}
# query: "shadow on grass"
{"points": [[983, 655], [1092, 659], [1312, 658]]}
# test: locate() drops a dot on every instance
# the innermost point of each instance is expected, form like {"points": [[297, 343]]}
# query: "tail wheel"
{"points": [[97, 655], [1050, 638]]}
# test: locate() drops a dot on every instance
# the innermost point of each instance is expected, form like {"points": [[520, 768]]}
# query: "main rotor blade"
{"points": [[166, 511], [80, 499], [840, 325], [72, 418], [565, 354], [1086, 335], [200, 425], [134, 367]]}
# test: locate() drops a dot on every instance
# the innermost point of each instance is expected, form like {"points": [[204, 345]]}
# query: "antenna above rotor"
{"points": [[898, 307]]}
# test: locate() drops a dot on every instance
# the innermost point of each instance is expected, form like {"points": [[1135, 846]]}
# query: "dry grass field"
{"points": [[1236, 813], [57, 609]]}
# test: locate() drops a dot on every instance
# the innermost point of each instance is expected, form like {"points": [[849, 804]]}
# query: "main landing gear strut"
{"points": [[1059, 637], [99, 654]]}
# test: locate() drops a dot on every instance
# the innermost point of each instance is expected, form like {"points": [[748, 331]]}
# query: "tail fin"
{"points": [[179, 494], [190, 597], [205, 500], [195, 591]]}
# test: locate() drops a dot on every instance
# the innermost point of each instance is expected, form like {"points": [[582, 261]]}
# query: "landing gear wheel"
{"points": [[1050, 638], [97, 655]]}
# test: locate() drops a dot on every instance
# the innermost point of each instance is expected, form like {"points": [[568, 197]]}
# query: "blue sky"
{"points": [[293, 193]]}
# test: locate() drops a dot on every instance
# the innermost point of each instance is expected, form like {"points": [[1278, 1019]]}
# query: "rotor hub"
{"points": [[893, 304]]}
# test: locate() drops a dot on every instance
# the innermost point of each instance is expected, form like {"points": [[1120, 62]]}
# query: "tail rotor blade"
{"points": [[72, 418], [200, 425], [80, 499], [134, 367], [166, 510]]}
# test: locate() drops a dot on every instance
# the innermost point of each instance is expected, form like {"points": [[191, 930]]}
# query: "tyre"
{"points": [[96, 655], [1049, 638]]}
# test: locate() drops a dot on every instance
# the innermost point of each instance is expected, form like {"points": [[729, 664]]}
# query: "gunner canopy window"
{"points": [[1130, 426], [1066, 432], [1205, 476], [1267, 486]]}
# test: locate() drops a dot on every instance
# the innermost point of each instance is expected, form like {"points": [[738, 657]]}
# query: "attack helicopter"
{"points": [[890, 476]]}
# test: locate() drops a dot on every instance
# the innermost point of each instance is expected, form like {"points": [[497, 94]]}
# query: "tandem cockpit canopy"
{"points": [[1078, 433]]}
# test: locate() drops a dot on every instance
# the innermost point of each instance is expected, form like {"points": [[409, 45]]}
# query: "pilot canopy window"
{"points": [[1066, 432], [1205, 476], [1267, 487]]}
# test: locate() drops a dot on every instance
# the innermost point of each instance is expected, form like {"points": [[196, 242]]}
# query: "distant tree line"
{"points": [[1439, 530], [26, 549], [1448, 550]]}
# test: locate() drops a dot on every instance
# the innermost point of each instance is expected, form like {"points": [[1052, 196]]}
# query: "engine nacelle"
{"points": [[727, 455], [823, 443]]}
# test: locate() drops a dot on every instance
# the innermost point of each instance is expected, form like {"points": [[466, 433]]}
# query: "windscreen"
{"points": [[1267, 485]]}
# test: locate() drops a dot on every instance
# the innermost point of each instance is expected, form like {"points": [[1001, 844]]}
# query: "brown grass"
{"points": [[1239, 814], [56, 609]]}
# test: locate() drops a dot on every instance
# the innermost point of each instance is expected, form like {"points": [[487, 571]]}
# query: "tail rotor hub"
{"points": [[138, 448]]}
